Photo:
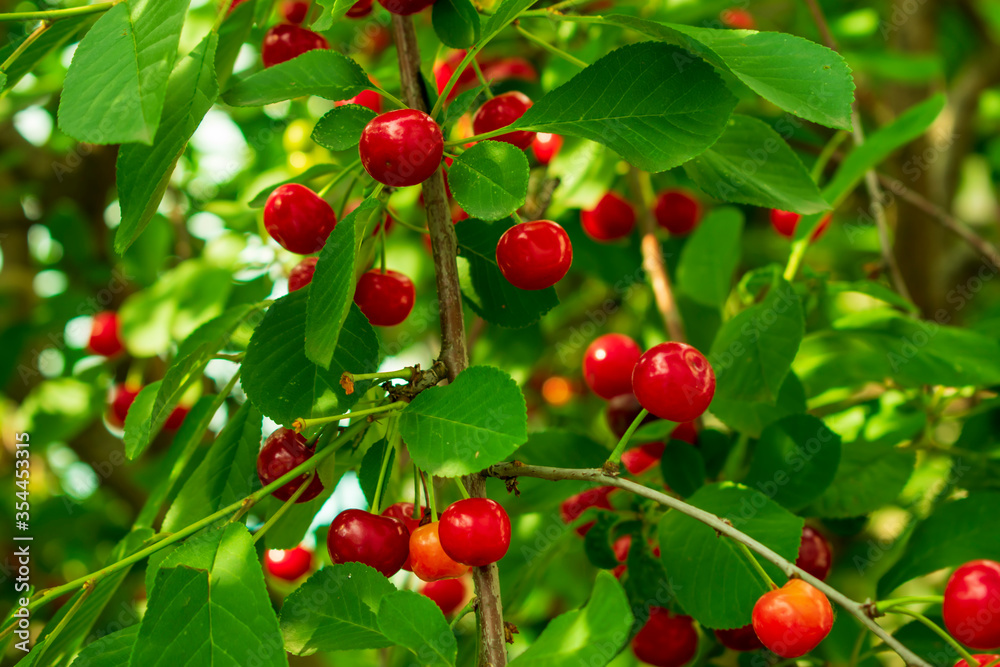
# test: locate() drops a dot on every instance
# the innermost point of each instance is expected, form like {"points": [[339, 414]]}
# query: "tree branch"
{"points": [[492, 652], [857, 609]]}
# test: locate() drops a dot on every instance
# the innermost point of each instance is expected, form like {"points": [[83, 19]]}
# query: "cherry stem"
{"points": [[616, 455], [23, 46], [482, 79], [416, 493], [479, 137], [969, 660], [506, 471], [470, 55], [301, 424], [88, 588], [348, 170], [56, 14], [826, 154], [886, 605], [431, 497], [531, 37], [404, 223], [401, 374], [381, 247], [465, 611], [390, 446], [795, 258], [287, 505], [224, 8], [392, 98], [757, 566], [461, 488]]}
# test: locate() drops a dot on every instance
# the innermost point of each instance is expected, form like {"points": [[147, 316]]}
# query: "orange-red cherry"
{"points": [[282, 451], [500, 112], [674, 381], [677, 211], [286, 41], [298, 219], [386, 299], [288, 564], [475, 531], [608, 364], [380, 542], [428, 560], [534, 255], [105, 334], [792, 620], [666, 639], [401, 147], [613, 218]]}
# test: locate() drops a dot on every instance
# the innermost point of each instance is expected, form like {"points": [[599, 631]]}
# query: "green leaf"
{"points": [[116, 85], [413, 620], [873, 289], [591, 635], [485, 289], [331, 291], [490, 180], [694, 554], [683, 468], [751, 417], [597, 541], [112, 650], [280, 379], [926, 643], [640, 101], [503, 15], [177, 626], [868, 477], [795, 461], [371, 468], [957, 532], [138, 433], [333, 11], [456, 23], [709, 258], [233, 33], [474, 422], [144, 171], [752, 164], [321, 72], [313, 172], [53, 38], [799, 76], [341, 127], [346, 620], [753, 352], [227, 474]]}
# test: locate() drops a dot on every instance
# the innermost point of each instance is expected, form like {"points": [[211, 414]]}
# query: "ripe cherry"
{"points": [[738, 18], [428, 559], [546, 146], [444, 69], [121, 401], [404, 512], [448, 594], [357, 536], [621, 548], [298, 219], [574, 506], [608, 364], [792, 620], [401, 147], [685, 431], [302, 274], [785, 222], [739, 639], [360, 9], [386, 299], [502, 69], [500, 112], [405, 7], [289, 564], [105, 334], [971, 601], [475, 531], [677, 211], [366, 98], [622, 411], [176, 418], [283, 450], [295, 11], [534, 255], [666, 639], [815, 556], [638, 460], [674, 381], [286, 41], [981, 658], [613, 218]]}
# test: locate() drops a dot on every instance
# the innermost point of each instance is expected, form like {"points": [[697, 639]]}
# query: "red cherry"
{"points": [[295, 11], [738, 18], [286, 41], [283, 450], [815, 556], [666, 639], [785, 222], [404, 512], [357, 536], [622, 411], [685, 431], [298, 219], [971, 601], [621, 548], [105, 334], [739, 639], [674, 381], [613, 218], [534, 255], [290, 564], [608, 364], [500, 112], [429, 560], [401, 147], [444, 69], [475, 531], [405, 7], [981, 658], [386, 299], [677, 211], [638, 460], [509, 68], [792, 620], [302, 274], [366, 98], [176, 418], [448, 594], [360, 9], [546, 146], [574, 506], [121, 401]]}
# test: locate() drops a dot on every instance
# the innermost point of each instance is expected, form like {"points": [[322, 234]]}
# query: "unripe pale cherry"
{"points": [[405, 7], [380, 542], [286, 41], [500, 112], [674, 381], [302, 274], [475, 531], [613, 218], [971, 607], [283, 451], [105, 334], [402, 147], [298, 219], [608, 364], [534, 255], [792, 620], [386, 299], [677, 211], [666, 639]]}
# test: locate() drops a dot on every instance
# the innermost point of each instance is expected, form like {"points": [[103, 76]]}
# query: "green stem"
{"points": [[478, 137], [827, 153], [287, 505], [347, 196], [482, 79], [389, 96], [795, 258], [23, 46], [737, 456], [886, 605], [939, 632], [402, 374], [756, 565], [616, 455], [88, 588], [531, 37], [461, 488], [301, 424], [465, 611], [416, 492], [224, 8], [56, 14], [348, 170], [404, 223], [858, 645], [431, 497], [390, 447], [381, 247], [453, 81]]}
